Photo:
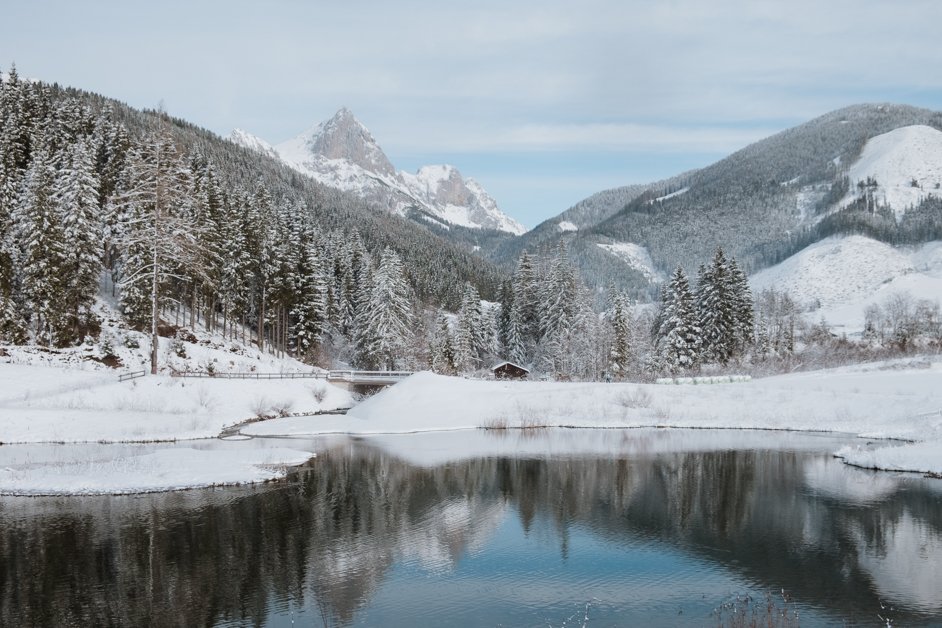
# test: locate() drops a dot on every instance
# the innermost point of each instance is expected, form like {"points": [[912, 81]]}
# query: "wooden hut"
{"points": [[509, 370]]}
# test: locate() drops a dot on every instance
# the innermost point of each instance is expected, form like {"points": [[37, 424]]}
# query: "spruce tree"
{"points": [[715, 307], [620, 354], [679, 342], [77, 199], [44, 249]]}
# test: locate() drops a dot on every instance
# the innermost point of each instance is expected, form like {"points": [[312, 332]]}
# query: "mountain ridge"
{"points": [[342, 153]]}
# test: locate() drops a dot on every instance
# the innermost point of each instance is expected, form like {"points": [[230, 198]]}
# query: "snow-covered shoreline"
{"points": [[51, 406], [898, 400]]}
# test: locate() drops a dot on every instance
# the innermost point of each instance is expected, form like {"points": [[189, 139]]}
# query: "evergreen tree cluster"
{"points": [[712, 324], [188, 229]]}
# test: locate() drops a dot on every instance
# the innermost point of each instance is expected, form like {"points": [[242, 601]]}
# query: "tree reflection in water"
{"points": [[327, 541]]}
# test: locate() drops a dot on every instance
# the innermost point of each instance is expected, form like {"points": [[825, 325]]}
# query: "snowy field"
{"points": [[894, 400], [900, 399]]}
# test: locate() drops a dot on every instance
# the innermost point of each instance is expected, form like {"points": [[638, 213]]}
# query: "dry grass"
{"points": [[635, 398], [496, 423]]}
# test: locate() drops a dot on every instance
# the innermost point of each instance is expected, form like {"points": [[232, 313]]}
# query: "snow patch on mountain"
{"points": [[342, 153], [906, 164], [565, 225], [839, 277], [636, 257], [253, 142]]}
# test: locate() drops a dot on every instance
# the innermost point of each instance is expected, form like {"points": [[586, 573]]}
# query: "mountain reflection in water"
{"points": [[363, 536]]}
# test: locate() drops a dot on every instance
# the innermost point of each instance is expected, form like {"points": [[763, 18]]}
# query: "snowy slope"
{"points": [[636, 257], [342, 153], [897, 158], [252, 142], [838, 277]]}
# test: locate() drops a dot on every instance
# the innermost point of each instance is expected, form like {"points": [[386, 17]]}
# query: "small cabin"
{"points": [[509, 370]]}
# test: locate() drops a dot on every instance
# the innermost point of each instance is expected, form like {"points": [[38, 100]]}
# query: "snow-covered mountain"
{"points": [[906, 164], [839, 277], [342, 153]]}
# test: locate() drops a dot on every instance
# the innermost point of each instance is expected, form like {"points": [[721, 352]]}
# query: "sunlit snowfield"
{"points": [[627, 527]]}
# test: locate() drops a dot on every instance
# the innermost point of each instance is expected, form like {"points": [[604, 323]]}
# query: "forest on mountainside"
{"points": [[180, 218]]}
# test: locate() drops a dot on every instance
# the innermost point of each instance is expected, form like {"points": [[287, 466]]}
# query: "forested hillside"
{"points": [[762, 204], [185, 220]]}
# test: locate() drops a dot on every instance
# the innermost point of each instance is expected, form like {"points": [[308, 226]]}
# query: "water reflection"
{"points": [[362, 534]]}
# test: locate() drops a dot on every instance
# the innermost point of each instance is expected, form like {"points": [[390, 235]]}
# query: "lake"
{"points": [[497, 528]]}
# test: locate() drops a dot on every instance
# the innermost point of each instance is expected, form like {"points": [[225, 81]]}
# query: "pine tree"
{"points": [[44, 249], [310, 308], [715, 310], [470, 334], [620, 354], [679, 341], [743, 311], [443, 354], [387, 329], [77, 200]]}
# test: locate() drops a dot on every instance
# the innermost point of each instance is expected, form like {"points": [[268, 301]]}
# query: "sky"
{"points": [[543, 102]]}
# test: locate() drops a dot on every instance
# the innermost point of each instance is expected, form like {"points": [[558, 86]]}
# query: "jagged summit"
{"points": [[345, 137], [342, 153]]}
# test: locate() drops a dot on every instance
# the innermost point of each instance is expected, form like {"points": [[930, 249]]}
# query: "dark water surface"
{"points": [[629, 528]]}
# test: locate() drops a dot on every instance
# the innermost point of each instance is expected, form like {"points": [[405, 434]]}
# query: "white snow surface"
{"points": [[838, 277], [342, 153], [894, 159], [565, 225], [53, 405], [162, 470], [637, 257], [897, 400]]}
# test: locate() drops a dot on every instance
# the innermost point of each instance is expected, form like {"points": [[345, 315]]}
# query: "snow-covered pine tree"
{"points": [[620, 355], [526, 306], [309, 311], [743, 311], [715, 308], [558, 298], [470, 334], [77, 200], [43, 248], [443, 354], [679, 336], [386, 332]]}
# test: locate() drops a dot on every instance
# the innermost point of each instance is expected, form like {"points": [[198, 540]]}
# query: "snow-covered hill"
{"points": [[637, 258], [838, 277], [342, 153], [906, 164]]}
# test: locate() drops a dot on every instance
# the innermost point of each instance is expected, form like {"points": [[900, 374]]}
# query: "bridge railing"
{"points": [[123, 377], [353, 376], [317, 375]]}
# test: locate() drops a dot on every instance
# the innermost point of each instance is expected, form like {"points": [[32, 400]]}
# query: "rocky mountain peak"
{"points": [[344, 137]]}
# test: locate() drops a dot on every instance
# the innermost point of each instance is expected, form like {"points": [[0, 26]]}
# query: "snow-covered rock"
{"points": [[896, 160], [342, 153]]}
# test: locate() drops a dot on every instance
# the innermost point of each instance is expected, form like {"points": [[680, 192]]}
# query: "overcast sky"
{"points": [[543, 102]]}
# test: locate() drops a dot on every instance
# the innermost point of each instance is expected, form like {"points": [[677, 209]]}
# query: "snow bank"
{"points": [[163, 470], [48, 404], [924, 457], [896, 400]]}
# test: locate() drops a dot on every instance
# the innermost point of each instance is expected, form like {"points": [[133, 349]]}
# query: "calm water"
{"points": [[631, 528]]}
